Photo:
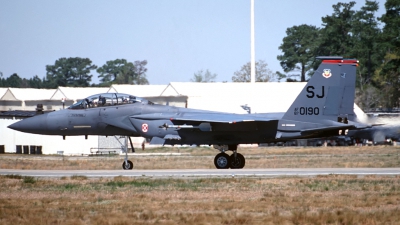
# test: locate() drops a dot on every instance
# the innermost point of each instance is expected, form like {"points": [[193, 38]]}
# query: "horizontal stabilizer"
{"points": [[338, 126], [330, 128]]}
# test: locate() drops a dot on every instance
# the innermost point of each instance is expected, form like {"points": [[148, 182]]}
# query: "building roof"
{"points": [[228, 97], [3, 91], [202, 89], [26, 94], [138, 90], [76, 93]]}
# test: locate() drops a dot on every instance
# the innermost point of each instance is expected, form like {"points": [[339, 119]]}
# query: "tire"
{"points": [[127, 166], [222, 161], [237, 163]]}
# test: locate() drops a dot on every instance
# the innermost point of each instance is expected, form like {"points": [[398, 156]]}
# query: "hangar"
{"points": [[224, 97]]}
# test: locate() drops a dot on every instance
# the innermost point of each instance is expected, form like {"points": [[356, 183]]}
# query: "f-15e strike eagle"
{"points": [[323, 108]]}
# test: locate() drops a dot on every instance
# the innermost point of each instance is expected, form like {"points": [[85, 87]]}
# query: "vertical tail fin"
{"points": [[329, 94]]}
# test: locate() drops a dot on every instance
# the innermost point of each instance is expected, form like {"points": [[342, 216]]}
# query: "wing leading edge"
{"points": [[208, 117]]}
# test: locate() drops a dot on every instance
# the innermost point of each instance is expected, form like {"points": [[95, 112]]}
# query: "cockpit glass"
{"points": [[108, 99]]}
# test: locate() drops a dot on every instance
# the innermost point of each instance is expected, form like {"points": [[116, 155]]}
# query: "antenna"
{"points": [[253, 51]]}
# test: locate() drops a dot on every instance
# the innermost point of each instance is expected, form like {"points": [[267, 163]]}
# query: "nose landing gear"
{"points": [[127, 165]]}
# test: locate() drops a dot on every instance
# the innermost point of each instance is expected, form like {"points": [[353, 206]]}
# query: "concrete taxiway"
{"points": [[211, 173]]}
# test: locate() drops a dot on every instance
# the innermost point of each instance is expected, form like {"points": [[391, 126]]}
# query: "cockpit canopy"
{"points": [[108, 99]]}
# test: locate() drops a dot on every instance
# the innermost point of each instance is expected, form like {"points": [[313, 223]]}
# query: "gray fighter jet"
{"points": [[323, 108]]}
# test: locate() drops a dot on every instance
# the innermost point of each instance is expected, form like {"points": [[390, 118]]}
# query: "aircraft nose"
{"points": [[35, 125]]}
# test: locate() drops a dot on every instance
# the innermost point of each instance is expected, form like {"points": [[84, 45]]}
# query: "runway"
{"points": [[205, 173]]}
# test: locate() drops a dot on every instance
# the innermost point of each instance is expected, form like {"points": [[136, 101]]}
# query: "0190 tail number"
{"points": [[306, 111]]}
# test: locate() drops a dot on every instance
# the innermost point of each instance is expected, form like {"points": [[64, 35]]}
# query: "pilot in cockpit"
{"points": [[102, 100], [86, 104], [90, 103]]}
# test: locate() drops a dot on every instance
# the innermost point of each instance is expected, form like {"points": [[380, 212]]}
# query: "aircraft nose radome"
{"points": [[36, 125]]}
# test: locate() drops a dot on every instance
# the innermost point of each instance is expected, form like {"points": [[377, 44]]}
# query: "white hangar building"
{"points": [[223, 97]]}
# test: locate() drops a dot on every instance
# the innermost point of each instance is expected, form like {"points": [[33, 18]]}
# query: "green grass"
{"points": [[78, 177], [29, 180], [14, 176]]}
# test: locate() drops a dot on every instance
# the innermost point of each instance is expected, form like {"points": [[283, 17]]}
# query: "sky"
{"points": [[177, 37]]}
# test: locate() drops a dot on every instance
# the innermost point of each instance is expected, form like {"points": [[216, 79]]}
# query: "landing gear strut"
{"points": [[224, 161], [127, 164]]}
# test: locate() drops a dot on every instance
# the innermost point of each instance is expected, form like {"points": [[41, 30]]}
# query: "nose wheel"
{"points": [[127, 165]]}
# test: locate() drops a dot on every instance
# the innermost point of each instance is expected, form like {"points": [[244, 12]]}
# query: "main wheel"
{"points": [[127, 166], [238, 162], [222, 161]]}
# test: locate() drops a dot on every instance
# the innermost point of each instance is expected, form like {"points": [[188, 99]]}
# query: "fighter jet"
{"points": [[323, 108]]}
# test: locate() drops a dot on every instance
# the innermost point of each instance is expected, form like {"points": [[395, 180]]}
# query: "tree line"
{"points": [[76, 72], [360, 34]]}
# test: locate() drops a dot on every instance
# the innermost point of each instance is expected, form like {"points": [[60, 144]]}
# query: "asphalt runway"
{"points": [[201, 173]]}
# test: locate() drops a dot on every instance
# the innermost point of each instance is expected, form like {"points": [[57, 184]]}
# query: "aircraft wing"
{"points": [[206, 117]]}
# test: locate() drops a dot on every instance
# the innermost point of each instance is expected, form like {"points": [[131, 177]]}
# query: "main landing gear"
{"points": [[225, 161]]}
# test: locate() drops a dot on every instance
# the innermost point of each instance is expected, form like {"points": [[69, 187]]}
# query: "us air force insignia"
{"points": [[327, 73]]}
